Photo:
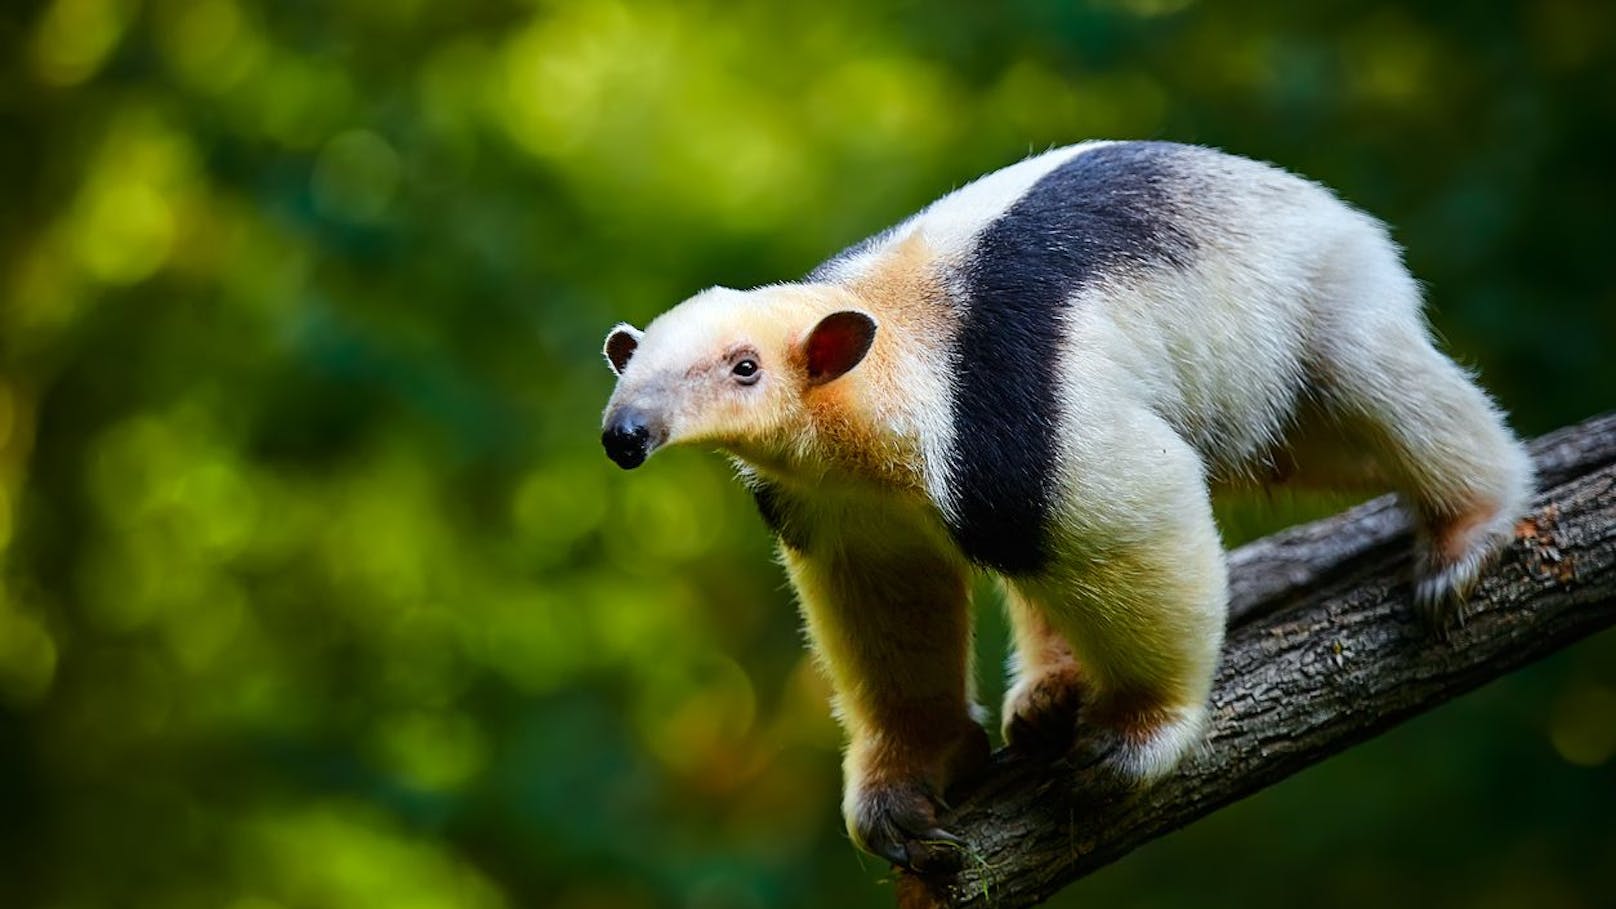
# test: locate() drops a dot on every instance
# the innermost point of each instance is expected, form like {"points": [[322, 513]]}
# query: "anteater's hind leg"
{"points": [[1437, 438]]}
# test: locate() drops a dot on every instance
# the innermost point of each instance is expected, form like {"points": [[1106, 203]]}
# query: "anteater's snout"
{"points": [[628, 438]]}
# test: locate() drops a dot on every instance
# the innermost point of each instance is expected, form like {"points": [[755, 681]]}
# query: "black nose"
{"points": [[627, 441]]}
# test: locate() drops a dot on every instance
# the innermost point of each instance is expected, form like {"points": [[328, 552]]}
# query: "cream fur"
{"points": [[1303, 323]]}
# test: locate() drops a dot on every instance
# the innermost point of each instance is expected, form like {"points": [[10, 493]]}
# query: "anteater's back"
{"points": [[1244, 306]]}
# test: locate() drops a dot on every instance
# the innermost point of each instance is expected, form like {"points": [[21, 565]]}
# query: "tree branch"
{"points": [[1322, 653]]}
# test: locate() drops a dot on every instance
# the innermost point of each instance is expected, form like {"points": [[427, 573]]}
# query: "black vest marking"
{"points": [[1105, 210], [776, 511]]}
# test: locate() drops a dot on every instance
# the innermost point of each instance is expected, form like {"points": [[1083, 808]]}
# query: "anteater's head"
{"points": [[732, 369]]}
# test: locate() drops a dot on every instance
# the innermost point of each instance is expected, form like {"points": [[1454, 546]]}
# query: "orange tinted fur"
{"points": [[902, 293], [1454, 539]]}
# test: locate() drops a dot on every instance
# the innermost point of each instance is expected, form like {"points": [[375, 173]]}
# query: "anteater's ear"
{"points": [[837, 344], [620, 344]]}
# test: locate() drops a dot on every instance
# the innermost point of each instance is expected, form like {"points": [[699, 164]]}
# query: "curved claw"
{"points": [[891, 850], [1440, 611], [899, 823], [936, 850]]}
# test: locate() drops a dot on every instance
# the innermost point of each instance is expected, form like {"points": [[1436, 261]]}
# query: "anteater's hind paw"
{"points": [[1450, 564], [1440, 596]]}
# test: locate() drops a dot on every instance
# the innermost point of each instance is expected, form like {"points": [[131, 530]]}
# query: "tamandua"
{"points": [[1045, 374]]}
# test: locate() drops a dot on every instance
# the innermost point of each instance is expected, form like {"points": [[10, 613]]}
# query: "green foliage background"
{"points": [[318, 592]]}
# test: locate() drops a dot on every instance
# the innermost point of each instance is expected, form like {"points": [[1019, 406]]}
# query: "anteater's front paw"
{"points": [[898, 822], [1040, 712]]}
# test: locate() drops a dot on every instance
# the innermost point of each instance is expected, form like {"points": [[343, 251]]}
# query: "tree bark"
{"points": [[1323, 652]]}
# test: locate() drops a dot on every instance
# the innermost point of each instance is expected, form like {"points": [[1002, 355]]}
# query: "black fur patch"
{"points": [[777, 510], [1106, 210]]}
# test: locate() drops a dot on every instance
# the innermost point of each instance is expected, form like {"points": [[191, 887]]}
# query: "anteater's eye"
{"points": [[746, 370]]}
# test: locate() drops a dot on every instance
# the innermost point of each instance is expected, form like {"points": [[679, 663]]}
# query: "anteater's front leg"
{"points": [[892, 631]]}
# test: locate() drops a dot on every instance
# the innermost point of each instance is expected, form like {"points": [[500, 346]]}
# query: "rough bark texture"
{"points": [[1322, 653]]}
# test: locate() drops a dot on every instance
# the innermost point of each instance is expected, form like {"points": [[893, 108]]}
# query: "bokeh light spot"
{"points": [[558, 503], [208, 43], [355, 176], [888, 103], [556, 75], [201, 635], [75, 37], [668, 516], [338, 854], [222, 504], [1583, 725], [126, 231], [695, 720], [47, 293], [1390, 60], [431, 750], [123, 224], [27, 657], [297, 101]]}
